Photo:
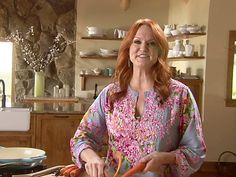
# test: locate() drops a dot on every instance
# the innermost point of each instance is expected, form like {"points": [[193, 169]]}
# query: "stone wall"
{"points": [[49, 17]]}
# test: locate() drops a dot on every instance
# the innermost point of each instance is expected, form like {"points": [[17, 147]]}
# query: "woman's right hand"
{"points": [[94, 165]]}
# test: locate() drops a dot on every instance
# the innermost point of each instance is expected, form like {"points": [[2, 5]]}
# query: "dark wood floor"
{"points": [[211, 169], [206, 174]]}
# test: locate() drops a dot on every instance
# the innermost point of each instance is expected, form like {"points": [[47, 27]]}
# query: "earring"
{"points": [[129, 63]]}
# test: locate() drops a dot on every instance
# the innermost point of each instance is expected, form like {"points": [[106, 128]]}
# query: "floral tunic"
{"points": [[174, 126]]}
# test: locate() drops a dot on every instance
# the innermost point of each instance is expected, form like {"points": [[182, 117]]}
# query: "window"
{"points": [[6, 50], [234, 74], [231, 77]]}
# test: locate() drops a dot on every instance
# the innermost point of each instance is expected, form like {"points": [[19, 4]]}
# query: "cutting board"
{"points": [[84, 174]]}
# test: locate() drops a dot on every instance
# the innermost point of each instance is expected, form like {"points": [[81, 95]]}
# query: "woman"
{"points": [[147, 116]]}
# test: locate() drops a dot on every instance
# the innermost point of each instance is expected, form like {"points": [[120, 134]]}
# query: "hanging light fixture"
{"points": [[186, 1], [124, 4]]}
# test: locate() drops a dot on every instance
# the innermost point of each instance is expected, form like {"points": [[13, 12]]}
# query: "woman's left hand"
{"points": [[157, 161]]}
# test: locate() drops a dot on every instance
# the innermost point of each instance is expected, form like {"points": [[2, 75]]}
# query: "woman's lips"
{"points": [[143, 56]]}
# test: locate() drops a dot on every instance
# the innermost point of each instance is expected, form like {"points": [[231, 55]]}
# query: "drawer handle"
{"points": [[61, 116]]}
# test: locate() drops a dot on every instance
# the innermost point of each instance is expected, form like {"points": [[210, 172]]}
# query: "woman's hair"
{"points": [[160, 70]]}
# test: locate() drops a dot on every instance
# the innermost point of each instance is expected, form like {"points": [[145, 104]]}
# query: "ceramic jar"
{"points": [[178, 49], [189, 49], [167, 30]]}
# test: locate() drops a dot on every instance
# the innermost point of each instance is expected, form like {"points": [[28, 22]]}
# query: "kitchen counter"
{"points": [[50, 108], [79, 107]]}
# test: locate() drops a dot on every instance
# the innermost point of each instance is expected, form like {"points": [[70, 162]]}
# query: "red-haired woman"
{"points": [[148, 116]]}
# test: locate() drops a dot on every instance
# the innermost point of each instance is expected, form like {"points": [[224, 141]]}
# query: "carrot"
{"points": [[119, 156], [62, 170], [68, 170], [75, 172], [136, 169]]}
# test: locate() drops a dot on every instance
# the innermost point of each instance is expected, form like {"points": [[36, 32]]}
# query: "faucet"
{"points": [[3, 94], [95, 91]]}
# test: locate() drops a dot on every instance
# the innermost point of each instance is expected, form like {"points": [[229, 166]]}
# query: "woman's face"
{"points": [[143, 50]]}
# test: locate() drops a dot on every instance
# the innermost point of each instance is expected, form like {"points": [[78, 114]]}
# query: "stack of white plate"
{"points": [[108, 53], [87, 53], [21, 157]]}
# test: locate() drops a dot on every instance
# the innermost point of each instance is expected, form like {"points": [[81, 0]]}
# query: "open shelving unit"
{"points": [[194, 84]]}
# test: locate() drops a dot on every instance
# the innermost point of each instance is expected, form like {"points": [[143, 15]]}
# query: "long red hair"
{"points": [[160, 70]]}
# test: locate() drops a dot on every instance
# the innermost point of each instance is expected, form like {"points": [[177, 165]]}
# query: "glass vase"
{"points": [[39, 84]]}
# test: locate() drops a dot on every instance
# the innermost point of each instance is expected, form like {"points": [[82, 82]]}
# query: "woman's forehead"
{"points": [[144, 31]]}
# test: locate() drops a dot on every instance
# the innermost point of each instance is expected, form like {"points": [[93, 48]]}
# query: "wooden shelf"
{"points": [[170, 38], [101, 38], [170, 58], [185, 36], [49, 100], [92, 75], [187, 58], [98, 57]]}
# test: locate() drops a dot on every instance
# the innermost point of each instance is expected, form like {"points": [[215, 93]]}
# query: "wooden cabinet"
{"points": [[53, 134], [49, 132], [18, 138], [195, 86]]}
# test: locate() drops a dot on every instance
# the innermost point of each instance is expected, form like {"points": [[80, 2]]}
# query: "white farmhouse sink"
{"points": [[14, 119]]}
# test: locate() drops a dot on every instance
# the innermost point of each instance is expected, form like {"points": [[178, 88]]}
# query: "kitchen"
{"points": [[219, 133]]}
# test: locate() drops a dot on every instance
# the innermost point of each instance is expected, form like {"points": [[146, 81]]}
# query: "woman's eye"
{"points": [[137, 42], [152, 44]]}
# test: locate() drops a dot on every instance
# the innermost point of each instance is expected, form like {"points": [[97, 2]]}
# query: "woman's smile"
{"points": [[143, 55]]}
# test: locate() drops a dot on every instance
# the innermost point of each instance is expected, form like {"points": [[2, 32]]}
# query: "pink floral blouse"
{"points": [[174, 126]]}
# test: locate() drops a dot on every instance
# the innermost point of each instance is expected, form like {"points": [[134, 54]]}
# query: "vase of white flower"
{"points": [[39, 83], [31, 50]]}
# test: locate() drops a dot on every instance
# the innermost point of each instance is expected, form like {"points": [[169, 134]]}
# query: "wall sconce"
{"points": [[124, 4]]}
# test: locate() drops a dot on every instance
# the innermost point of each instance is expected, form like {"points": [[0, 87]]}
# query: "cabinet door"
{"points": [[19, 138], [54, 132]]}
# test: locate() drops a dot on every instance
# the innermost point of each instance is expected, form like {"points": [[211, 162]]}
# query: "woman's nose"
{"points": [[144, 46]]}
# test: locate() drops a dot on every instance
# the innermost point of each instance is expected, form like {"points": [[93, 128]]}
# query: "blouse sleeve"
{"points": [[90, 133], [192, 149]]}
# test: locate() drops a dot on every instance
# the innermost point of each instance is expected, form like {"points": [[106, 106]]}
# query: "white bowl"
{"points": [[88, 72], [92, 28], [193, 28], [175, 32], [97, 71], [183, 29], [13, 154], [94, 31]]}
